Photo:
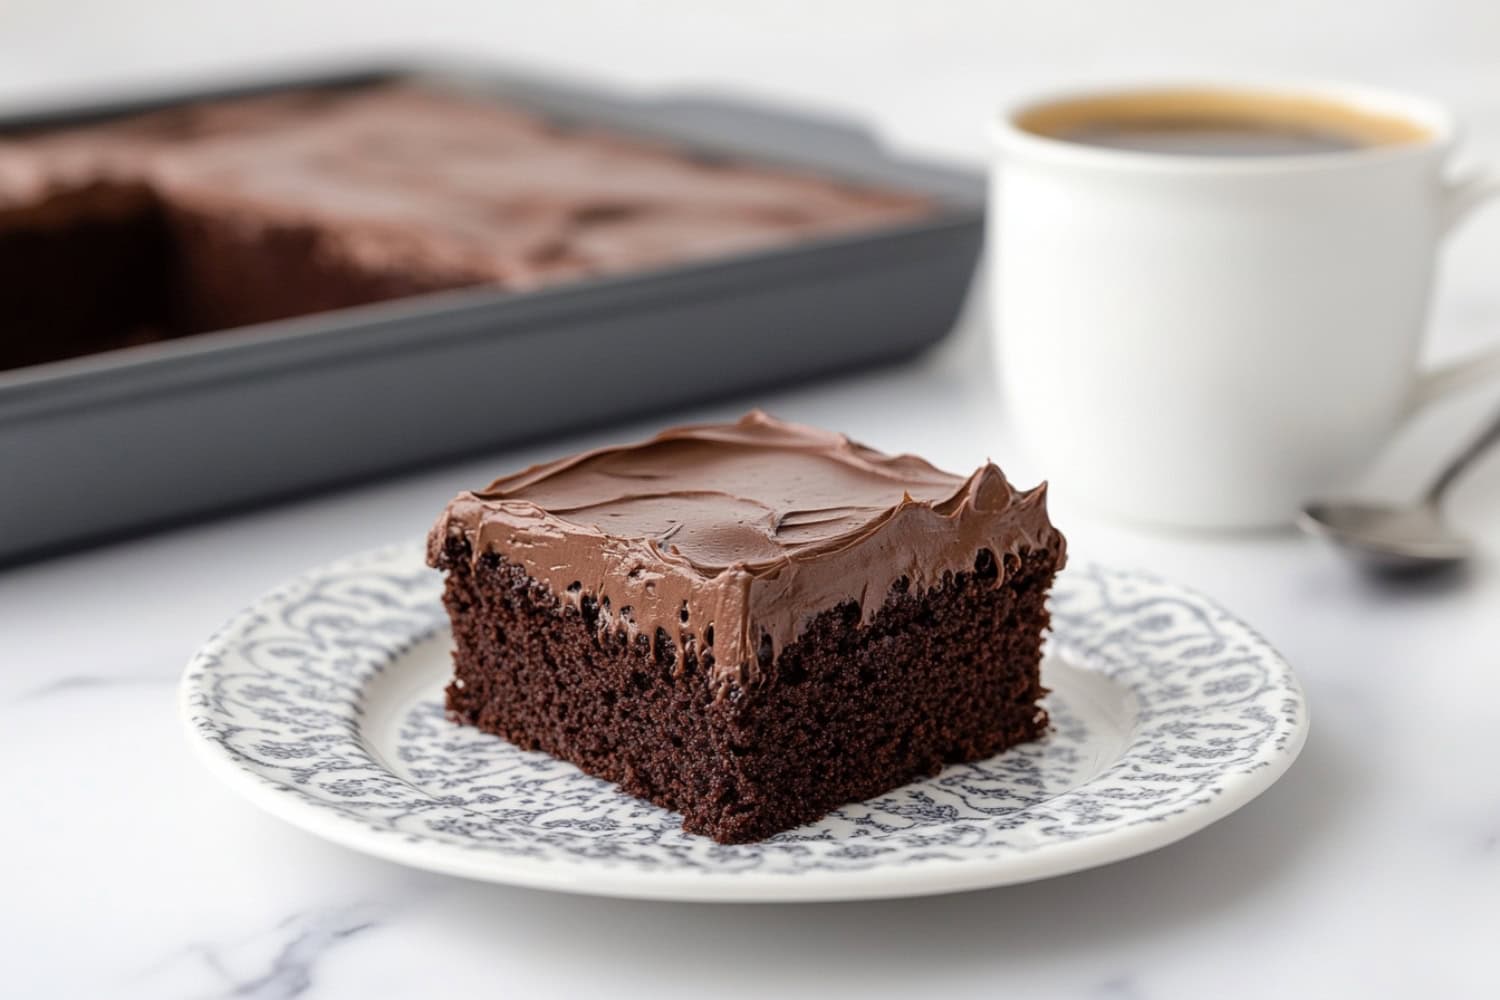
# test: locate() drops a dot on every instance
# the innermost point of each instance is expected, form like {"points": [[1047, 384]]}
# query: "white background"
{"points": [[1373, 869]]}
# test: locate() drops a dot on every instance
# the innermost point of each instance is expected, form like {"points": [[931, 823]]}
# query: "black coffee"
{"points": [[1226, 123], [1207, 138]]}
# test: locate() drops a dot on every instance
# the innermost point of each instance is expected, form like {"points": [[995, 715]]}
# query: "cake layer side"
{"points": [[851, 709], [85, 270], [231, 271]]}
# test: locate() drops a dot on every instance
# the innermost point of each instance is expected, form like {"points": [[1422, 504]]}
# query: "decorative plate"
{"points": [[322, 703]]}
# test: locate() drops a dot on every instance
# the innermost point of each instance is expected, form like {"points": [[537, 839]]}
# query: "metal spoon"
{"points": [[1395, 539]]}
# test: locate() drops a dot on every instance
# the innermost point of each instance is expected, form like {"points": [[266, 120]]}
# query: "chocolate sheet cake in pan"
{"points": [[216, 301], [243, 211]]}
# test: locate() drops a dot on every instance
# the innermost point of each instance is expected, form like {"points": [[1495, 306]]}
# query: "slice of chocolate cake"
{"points": [[749, 623]]}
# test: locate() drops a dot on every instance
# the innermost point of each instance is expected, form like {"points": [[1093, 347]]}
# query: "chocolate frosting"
{"points": [[441, 188], [733, 536]]}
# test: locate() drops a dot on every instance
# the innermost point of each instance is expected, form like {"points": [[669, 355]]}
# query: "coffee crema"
{"points": [[1226, 123]]}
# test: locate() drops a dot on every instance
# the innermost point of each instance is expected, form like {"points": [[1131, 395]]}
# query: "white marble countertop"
{"points": [[1372, 869]]}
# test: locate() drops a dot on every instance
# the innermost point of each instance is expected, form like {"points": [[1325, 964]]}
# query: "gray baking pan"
{"points": [[127, 440]]}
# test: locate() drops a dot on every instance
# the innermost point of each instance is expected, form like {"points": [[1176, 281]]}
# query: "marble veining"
{"points": [[280, 963], [94, 682]]}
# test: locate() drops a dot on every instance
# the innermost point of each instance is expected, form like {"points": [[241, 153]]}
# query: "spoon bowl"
{"points": [[1386, 538], [1402, 540]]}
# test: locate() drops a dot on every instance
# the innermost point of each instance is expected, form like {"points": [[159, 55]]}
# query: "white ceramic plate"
{"points": [[323, 704]]}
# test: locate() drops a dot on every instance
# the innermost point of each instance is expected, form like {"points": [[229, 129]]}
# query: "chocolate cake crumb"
{"points": [[846, 712]]}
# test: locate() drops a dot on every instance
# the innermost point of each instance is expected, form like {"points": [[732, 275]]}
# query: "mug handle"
{"points": [[1460, 196]]}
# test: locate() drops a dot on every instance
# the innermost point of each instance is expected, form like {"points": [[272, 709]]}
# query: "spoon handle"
{"points": [[1460, 463]]}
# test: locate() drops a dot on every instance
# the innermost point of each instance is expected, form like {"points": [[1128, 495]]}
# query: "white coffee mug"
{"points": [[1208, 341]]}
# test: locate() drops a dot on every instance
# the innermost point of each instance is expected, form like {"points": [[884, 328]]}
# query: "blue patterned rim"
{"points": [[322, 703]]}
